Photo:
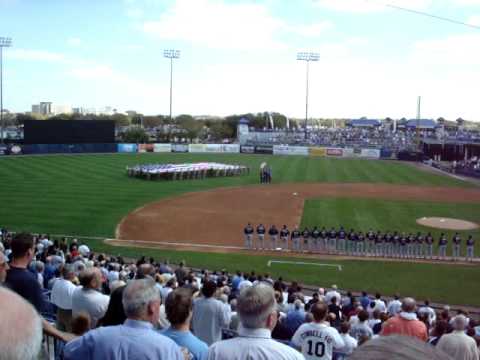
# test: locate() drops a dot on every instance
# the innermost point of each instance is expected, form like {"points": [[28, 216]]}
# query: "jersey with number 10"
{"points": [[317, 341]]}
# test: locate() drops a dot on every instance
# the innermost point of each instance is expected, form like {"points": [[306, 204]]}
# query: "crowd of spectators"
{"points": [[107, 307]]}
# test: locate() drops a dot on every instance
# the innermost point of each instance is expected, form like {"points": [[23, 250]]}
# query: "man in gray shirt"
{"points": [[210, 315]]}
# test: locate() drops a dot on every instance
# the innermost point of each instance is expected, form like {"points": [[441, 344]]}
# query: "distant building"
{"points": [[364, 123], [62, 109], [36, 109], [46, 108]]}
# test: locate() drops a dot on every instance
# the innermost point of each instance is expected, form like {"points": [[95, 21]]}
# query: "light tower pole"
{"points": [[171, 54], [307, 57], [4, 43]]}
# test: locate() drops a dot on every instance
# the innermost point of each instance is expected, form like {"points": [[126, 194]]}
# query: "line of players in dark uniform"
{"points": [[371, 243]]}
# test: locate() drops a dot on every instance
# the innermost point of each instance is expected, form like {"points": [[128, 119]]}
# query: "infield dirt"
{"points": [[217, 217]]}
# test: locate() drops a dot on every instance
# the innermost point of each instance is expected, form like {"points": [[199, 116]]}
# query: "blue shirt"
{"points": [[186, 339], [134, 340], [294, 319]]}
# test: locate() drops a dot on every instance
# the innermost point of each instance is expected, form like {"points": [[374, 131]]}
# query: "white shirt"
{"points": [[332, 293], [93, 302], [430, 312], [84, 250], [210, 316], [394, 307], [317, 341], [254, 344], [62, 293], [380, 305], [350, 345], [459, 346]]}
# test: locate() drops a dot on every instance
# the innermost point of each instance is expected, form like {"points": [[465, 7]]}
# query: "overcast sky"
{"points": [[240, 56]]}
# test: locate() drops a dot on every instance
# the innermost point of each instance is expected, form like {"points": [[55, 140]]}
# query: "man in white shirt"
{"points": [[426, 309], [394, 306], [317, 339], [379, 303], [210, 315], [333, 293], [258, 316], [88, 298], [61, 296], [350, 342], [459, 345]]}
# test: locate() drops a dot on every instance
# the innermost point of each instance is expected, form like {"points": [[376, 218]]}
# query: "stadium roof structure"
{"points": [[364, 123], [423, 124]]}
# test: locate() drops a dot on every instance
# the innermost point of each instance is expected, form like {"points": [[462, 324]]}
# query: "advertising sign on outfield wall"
{"points": [[348, 152], [290, 150], [231, 148], [179, 148], [164, 148], [264, 149], [317, 151], [370, 153], [247, 149], [127, 148], [334, 152], [196, 148], [142, 148], [3, 150]]}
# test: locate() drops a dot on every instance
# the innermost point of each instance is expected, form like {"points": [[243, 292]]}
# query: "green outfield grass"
{"points": [[387, 215], [89, 194], [442, 283]]}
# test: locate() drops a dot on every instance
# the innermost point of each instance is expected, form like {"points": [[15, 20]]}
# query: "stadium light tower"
{"points": [[171, 54], [307, 57], [4, 43]]}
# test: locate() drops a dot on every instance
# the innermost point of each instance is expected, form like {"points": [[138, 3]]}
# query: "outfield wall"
{"points": [[287, 150]]}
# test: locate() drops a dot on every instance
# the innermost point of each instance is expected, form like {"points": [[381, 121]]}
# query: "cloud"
{"points": [[474, 20], [92, 72], [312, 30], [134, 13], [216, 24], [466, 2], [367, 6], [36, 55]]}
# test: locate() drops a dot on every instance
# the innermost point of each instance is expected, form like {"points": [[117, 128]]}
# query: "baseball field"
{"points": [[91, 196]]}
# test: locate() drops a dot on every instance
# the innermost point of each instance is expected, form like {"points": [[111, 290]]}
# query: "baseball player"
{"points": [[419, 239], [442, 247], [295, 237], [342, 235], [403, 245], [332, 241], [273, 233], [306, 238], [315, 239], [456, 241], [284, 232], [429, 246], [360, 244], [261, 236], [410, 245], [248, 232], [387, 244], [470, 248], [378, 244], [396, 244], [324, 239], [351, 242], [370, 245]]}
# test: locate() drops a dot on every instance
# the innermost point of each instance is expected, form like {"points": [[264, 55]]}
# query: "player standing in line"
{"points": [[332, 242], [456, 242], [295, 237], [324, 239], [261, 236], [342, 235], [284, 232], [306, 239], [470, 248], [248, 232], [429, 246], [403, 246], [387, 244], [351, 242], [360, 244], [419, 245], [315, 239], [442, 247], [273, 233], [411, 246], [396, 245], [370, 243]]}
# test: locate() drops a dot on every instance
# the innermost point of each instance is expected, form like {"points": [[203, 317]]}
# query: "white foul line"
{"points": [[175, 244], [339, 267]]}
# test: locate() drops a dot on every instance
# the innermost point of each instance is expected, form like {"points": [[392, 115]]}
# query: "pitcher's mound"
{"points": [[446, 223]]}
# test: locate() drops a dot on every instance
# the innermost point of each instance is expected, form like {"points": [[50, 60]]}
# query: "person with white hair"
{"points": [[333, 293], [61, 296], [459, 345], [258, 316], [20, 328], [136, 338]]}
